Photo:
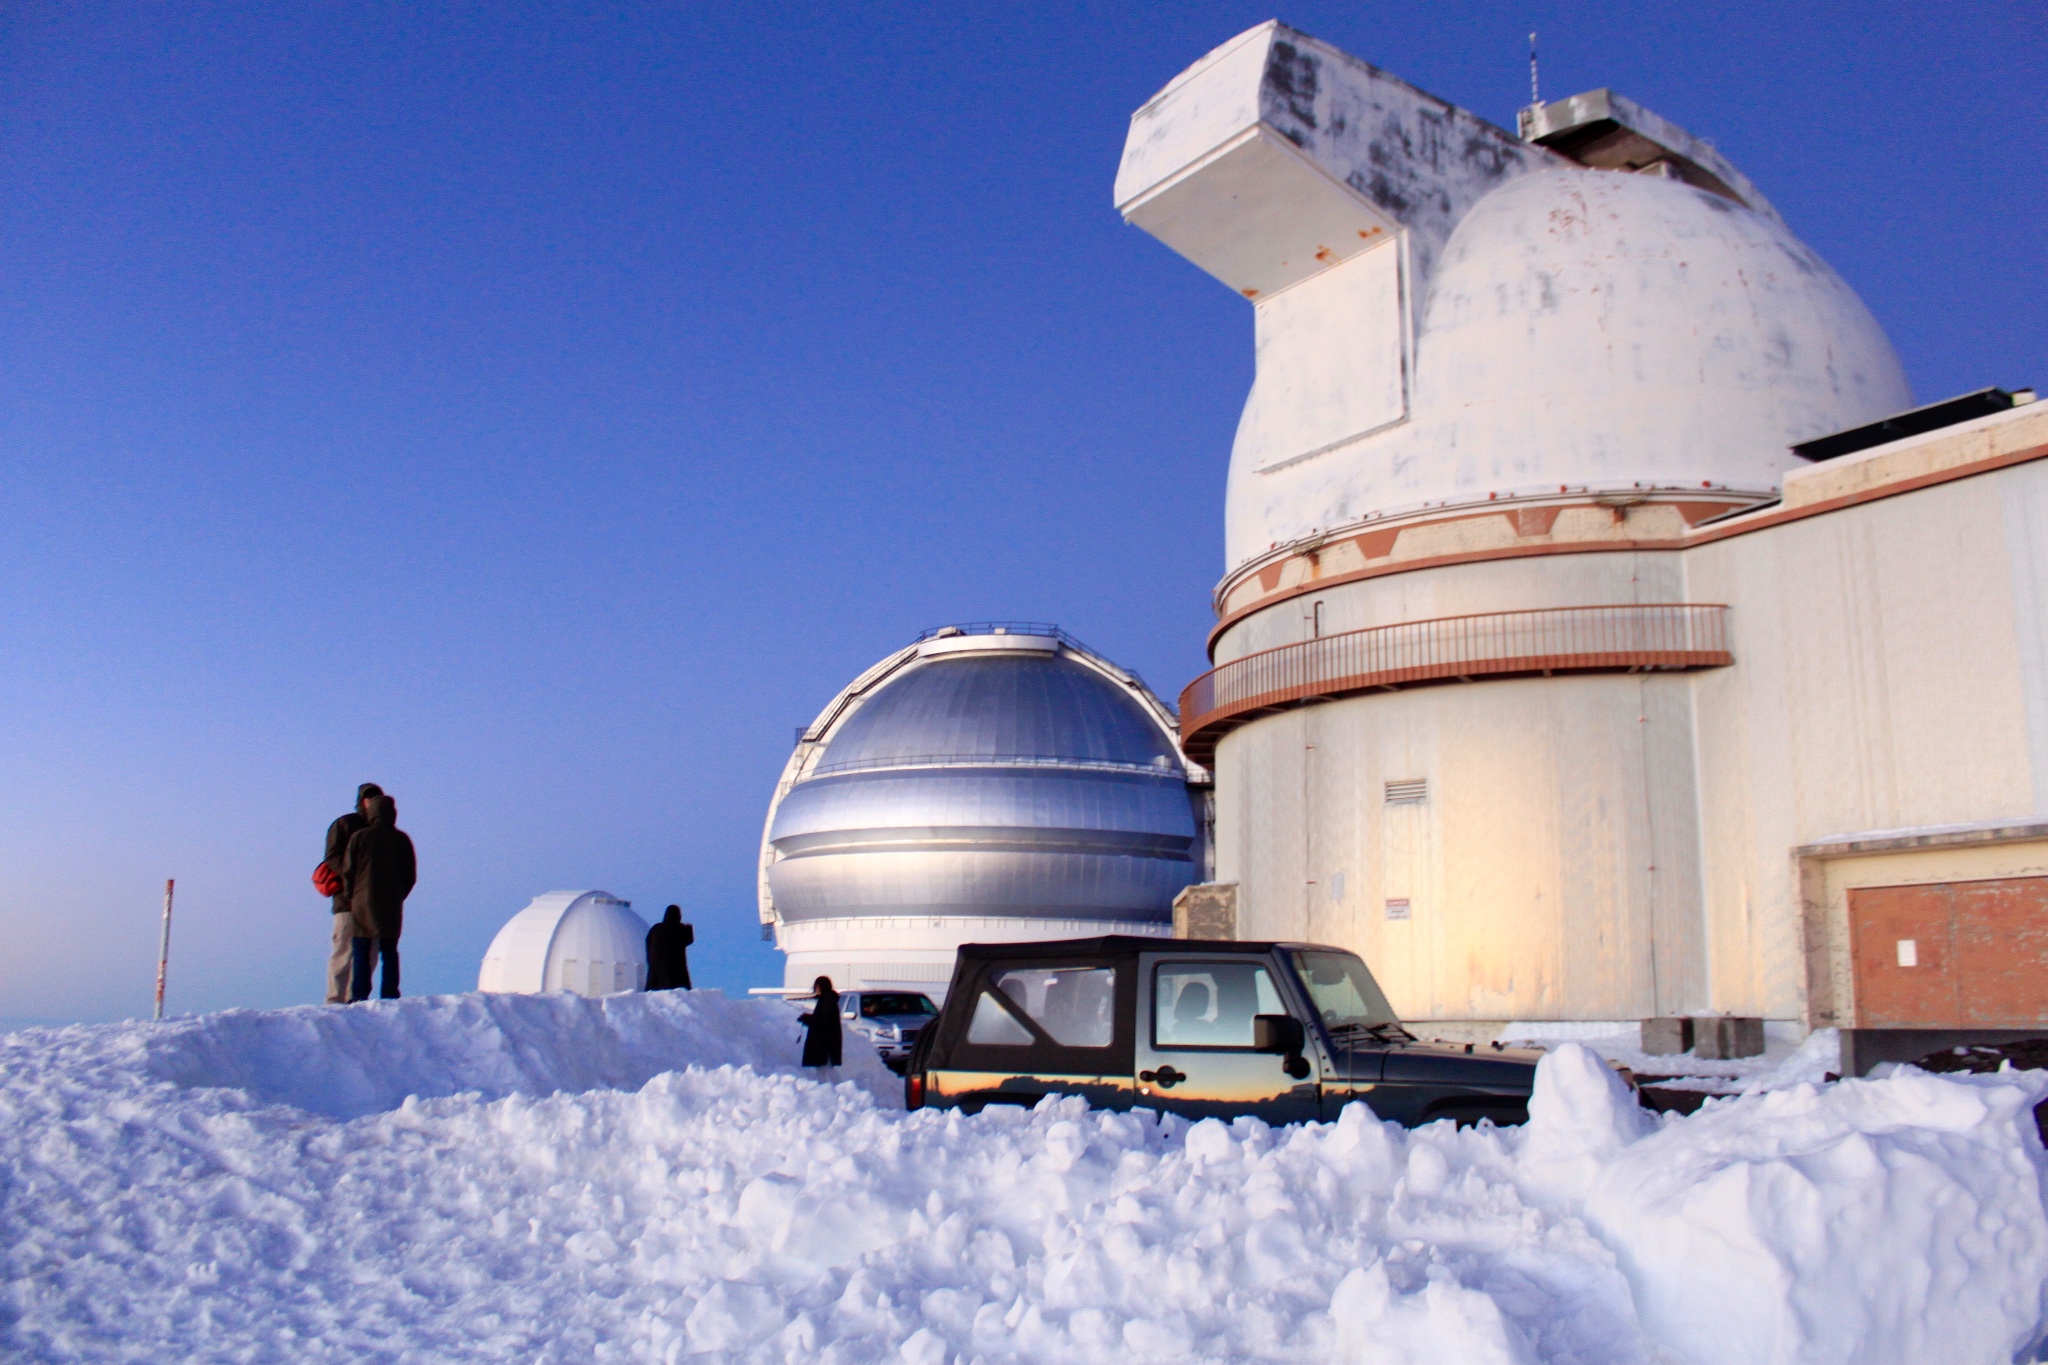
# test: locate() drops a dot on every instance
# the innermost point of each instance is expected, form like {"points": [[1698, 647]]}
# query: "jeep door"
{"points": [[1195, 1053]]}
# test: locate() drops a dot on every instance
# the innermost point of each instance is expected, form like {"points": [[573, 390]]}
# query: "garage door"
{"points": [[1951, 955]]}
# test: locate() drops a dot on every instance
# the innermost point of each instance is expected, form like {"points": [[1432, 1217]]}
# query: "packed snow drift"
{"points": [[649, 1178]]}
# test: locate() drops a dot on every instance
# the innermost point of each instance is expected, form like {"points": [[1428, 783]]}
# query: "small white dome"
{"points": [[589, 942]]}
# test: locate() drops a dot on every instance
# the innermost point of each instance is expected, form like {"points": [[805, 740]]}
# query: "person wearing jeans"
{"points": [[340, 961]]}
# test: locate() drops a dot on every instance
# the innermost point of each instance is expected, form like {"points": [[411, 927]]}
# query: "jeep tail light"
{"points": [[913, 1090]]}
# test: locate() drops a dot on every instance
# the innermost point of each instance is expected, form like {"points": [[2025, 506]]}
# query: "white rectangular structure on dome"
{"points": [[1322, 189], [1332, 360]]}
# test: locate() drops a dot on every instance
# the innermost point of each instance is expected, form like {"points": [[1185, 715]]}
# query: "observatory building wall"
{"points": [[1623, 845], [1890, 677], [1492, 849]]}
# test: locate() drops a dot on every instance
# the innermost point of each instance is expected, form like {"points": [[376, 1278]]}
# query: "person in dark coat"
{"points": [[341, 960], [668, 952], [821, 1026], [379, 869]]}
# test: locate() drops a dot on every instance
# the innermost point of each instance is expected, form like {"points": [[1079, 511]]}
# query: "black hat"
{"points": [[366, 791]]}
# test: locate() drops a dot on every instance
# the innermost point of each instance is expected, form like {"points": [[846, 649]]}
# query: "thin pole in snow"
{"points": [[163, 947]]}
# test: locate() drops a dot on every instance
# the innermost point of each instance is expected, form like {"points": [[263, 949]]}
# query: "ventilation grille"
{"points": [[1407, 790]]}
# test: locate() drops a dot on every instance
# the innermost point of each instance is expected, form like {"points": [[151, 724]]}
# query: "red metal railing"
{"points": [[1627, 638]]}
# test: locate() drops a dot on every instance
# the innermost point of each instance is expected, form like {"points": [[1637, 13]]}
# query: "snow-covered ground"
{"points": [[648, 1178]]}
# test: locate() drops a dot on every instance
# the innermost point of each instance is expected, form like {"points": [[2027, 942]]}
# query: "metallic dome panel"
{"points": [[986, 784], [953, 708]]}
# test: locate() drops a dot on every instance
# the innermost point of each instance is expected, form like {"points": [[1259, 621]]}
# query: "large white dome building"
{"points": [[1549, 674], [986, 783]]}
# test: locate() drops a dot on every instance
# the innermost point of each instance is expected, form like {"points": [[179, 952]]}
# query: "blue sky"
{"points": [[541, 410]]}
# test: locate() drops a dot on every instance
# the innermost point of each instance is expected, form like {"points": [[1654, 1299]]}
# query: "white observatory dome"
{"points": [[1602, 331], [589, 942], [1639, 325]]}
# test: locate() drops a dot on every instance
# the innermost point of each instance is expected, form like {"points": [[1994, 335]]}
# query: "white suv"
{"points": [[891, 1020]]}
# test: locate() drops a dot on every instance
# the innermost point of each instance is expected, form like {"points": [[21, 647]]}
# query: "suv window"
{"points": [[1075, 1005], [1210, 1004]]}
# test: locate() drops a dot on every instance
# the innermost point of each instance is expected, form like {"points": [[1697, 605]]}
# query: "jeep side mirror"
{"points": [[1278, 1033]]}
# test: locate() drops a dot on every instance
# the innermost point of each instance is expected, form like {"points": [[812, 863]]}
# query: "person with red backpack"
{"points": [[327, 881]]}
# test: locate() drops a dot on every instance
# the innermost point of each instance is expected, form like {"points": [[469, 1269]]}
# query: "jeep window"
{"points": [[1075, 1005], [993, 1026], [895, 1003], [1210, 1004], [1343, 991]]}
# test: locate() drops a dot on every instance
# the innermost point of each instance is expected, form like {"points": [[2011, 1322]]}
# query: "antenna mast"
{"points": [[1534, 96]]}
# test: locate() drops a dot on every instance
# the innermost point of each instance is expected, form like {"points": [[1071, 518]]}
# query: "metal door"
{"points": [[1951, 954], [1194, 1053]]}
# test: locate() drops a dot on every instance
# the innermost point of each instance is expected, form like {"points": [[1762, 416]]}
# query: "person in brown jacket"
{"points": [[379, 871], [341, 959]]}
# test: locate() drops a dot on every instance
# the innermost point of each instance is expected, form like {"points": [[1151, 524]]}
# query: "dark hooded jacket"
{"points": [[821, 1027], [379, 871], [338, 835], [668, 952]]}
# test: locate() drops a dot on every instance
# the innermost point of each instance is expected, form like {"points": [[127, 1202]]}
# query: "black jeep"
{"points": [[1284, 1031]]}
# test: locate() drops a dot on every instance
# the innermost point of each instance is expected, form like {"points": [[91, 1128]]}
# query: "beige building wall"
{"points": [[1550, 871], [1882, 682], [1619, 846]]}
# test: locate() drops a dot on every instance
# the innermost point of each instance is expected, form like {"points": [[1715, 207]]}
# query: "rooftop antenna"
{"points": [[1534, 97]]}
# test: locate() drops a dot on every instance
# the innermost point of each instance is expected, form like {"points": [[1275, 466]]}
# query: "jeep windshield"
{"points": [[1347, 999]]}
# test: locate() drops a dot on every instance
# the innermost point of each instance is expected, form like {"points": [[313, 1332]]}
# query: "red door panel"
{"points": [[1899, 938], [2001, 951]]}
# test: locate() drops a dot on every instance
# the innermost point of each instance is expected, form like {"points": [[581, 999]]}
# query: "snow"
{"points": [[1791, 1056], [650, 1178], [1622, 1042]]}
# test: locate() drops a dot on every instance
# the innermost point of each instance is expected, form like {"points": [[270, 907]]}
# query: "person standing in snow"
{"points": [[379, 869], [668, 952], [821, 1026], [341, 959]]}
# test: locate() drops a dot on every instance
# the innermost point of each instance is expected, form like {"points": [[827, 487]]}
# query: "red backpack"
{"points": [[325, 881]]}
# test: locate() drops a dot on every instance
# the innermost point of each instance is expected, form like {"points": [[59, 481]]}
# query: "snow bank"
{"points": [[648, 1179], [1790, 1054], [347, 1063]]}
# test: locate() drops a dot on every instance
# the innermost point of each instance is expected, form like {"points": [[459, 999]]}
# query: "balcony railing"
{"points": [[1616, 639]]}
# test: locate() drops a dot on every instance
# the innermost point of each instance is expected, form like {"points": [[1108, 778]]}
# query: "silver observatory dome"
{"points": [[985, 784]]}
